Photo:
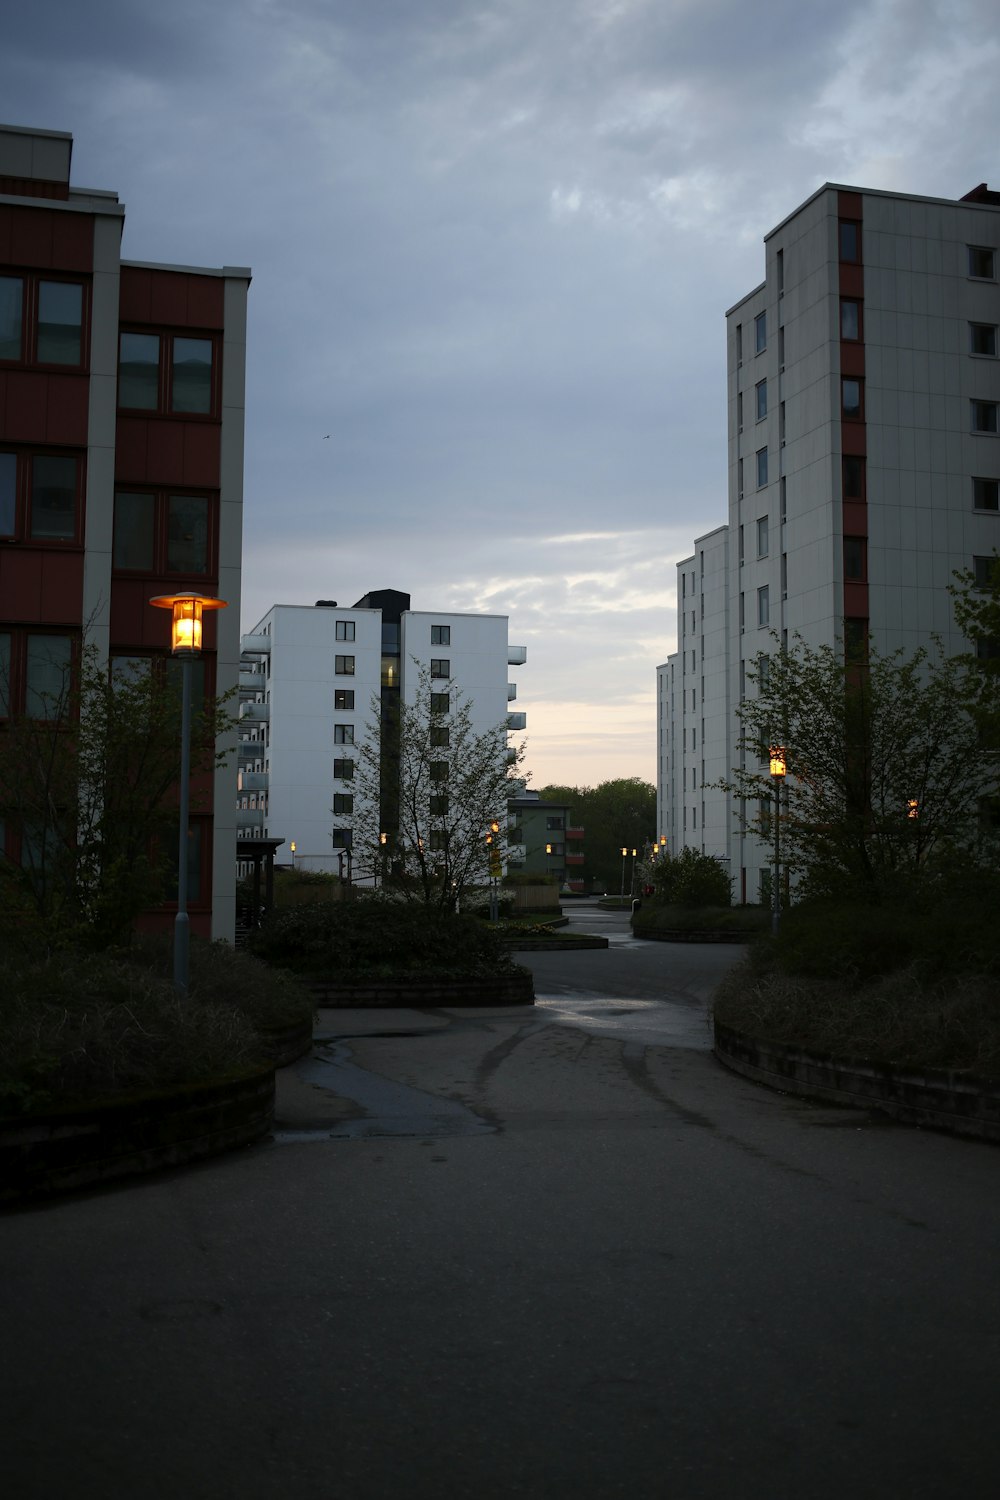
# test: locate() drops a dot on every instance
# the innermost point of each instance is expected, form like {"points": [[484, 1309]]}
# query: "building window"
{"points": [[741, 546], [784, 575], [742, 612], [344, 630], [761, 468], [555, 825], [763, 672], [35, 674], [343, 698], [762, 536], [850, 240], [343, 734], [850, 319], [440, 666], [855, 641], [982, 262], [739, 344], [344, 666], [343, 770], [42, 322], [984, 416], [783, 491], [761, 389], [438, 770], [439, 839], [343, 838], [161, 533], [739, 411], [166, 373], [855, 559], [982, 571], [986, 494], [440, 703], [852, 397], [440, 635], [853, 477], [439, 805], [780, 267], [763, 606], [343, 802], [760, 332], [41, 496], [983, 339], [440, 737], [739, 477]]}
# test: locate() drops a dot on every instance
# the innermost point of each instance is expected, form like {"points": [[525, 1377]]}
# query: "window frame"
{"points": [[14, 694], [24, 456], [763, 530], [763, 606], [853, 225], [165, 409], [858, 336], [343, 768], [31, 284], [985, 250], [851, 414], [994, 507], [344, 630], [440, 635], [344, 666], [440, 668], [343, 699], [343, 734], [760, 396], [856, 547], [983, 328], [982, 407], [162, 498], [760, 332], [762, 468]]}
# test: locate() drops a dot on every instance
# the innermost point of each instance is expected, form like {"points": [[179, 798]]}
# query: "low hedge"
{"points": [[376, 936], [659, 918]]}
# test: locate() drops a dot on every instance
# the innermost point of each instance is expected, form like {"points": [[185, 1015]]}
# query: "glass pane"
{"points": [[4, 679], [53, 498], [11, 301], [8, 477], [134, 531], [60, 323], [139, 370], [848, 241], [129, 670], [848, 320], [187, 534], [192, 375], [48, 665], [852, 398]]}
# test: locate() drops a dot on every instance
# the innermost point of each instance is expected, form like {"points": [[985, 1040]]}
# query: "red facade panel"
{"points": [[856, 601], [171, 298], [855, 518], [164, 453], [20, 585], [852, 438], [31, 239], [206, 302], [61, 594], [202, 454], [852, 359], [849, 205], [130, 450], [25, 407], [852, 280]]}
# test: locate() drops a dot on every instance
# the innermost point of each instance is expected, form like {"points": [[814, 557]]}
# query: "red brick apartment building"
{"points": [[121, 458]]}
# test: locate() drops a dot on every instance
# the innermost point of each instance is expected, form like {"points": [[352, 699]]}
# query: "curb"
{"points": [[956, 1102], [73, 1148], [704, 935], [407, 994], [557, 945]]}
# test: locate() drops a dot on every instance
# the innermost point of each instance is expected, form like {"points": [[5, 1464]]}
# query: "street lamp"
{"points": [[778, 769], [185, 643], [631, 886], [621, 894], [383, 840]]}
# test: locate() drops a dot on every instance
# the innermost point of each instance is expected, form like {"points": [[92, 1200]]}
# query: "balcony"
{"points": [[574, 859], [574, 833], [249, 821], [257, 713], [517, 656], [517, 721], [251, 681], [255, 645], [251, 749], [511, 691], [252, 781]]}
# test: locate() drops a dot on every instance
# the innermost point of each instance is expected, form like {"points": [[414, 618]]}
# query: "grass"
{"points": [[77, 1027]]}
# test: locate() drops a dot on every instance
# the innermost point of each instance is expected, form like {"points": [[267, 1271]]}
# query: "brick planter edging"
{"points": [[557, 945], [956, 1102], [73, 1148], [285, 1044], [499, 989], [701, 935]]}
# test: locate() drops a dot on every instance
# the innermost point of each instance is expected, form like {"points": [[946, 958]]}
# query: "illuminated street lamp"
{"points": [[185, 643], [778, 769], [621, 894]]}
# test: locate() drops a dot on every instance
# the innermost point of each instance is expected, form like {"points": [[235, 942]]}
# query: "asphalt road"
{"points": [[554, 1253]]}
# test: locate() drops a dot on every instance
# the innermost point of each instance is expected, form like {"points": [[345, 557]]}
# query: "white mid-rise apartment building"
{"points": [[313, 683], [864, 463]]}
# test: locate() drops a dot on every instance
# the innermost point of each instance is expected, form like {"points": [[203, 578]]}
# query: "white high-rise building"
{"points": [[312, 684], [864, 465]]}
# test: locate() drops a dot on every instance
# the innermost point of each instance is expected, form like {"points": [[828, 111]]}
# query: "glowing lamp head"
{"points": [[777, 760], [383, 839], [912, 808], [548, 848], [186, 621], [293, 846], [624, 852]]}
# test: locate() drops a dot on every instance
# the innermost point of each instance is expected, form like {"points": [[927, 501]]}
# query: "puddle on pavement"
{"points": [[391, 1109]]}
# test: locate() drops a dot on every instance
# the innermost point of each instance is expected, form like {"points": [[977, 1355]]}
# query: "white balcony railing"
{"points": [[517, 721], [517, 656], [253, 781], [511, 691], [257, 712], [255, 645]]}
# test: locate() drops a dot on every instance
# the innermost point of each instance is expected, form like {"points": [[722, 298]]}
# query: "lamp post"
{"points": [[631, 884], [493, 851], [292, 846], [383, 840], [777, 757], [621, 893], [185, 644]]}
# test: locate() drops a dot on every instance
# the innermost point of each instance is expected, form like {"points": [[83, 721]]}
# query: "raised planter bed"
{"points": [[87, 1144], [556, 944], [285, 1044], [957, 1102], [698, 935], [419, 991]]}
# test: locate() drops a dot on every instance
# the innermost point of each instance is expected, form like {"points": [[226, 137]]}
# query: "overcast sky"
{"points": [[492, 244]]}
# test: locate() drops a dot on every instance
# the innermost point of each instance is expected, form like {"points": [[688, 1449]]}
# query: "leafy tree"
{"points": [[691, 878], [615, 815], [87, 788], [435, 787], [885, 763]]}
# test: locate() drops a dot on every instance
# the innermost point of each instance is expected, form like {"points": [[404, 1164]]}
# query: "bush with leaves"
{"points": [[691, 878], [378, 936]]}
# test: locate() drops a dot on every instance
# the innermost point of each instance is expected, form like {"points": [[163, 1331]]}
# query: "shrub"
{"points": [[692, 879], [660, 918], [373, 936]]}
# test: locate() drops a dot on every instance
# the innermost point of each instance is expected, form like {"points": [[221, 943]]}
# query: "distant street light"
{"points": [[185, 644], [621, 894], [778, 768]]}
